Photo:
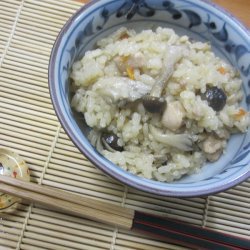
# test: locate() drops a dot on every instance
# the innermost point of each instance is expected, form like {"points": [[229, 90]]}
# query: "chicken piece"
{"points": [[137, 60], [212, 145], [121, 63], [173, 116], [215, 156], [124, 63], [121, 88], [212, 148]]}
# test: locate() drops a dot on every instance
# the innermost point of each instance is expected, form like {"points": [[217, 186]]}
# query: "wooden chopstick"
{"points": [[68, 202], [158, 227], [67, 196], [176, 231]]}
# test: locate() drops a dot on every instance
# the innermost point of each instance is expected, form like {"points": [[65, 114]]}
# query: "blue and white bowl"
{"points": [[200, 20]]}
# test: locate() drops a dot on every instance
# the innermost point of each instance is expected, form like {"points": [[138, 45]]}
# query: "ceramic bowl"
{"points": [[200, 20]]}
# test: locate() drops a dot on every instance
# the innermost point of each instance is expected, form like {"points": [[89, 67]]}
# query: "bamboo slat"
{"points": [[29, 126]]}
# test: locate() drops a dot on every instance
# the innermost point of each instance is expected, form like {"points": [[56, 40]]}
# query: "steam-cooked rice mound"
{"points": [[159, 105]]}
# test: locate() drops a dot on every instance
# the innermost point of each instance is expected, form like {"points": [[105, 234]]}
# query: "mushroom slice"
{"points": [[183, 142], [121, 88], [174, 54]]}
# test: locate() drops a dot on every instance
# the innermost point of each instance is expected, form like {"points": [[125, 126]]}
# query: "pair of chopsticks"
{"points": [[162, 228]]}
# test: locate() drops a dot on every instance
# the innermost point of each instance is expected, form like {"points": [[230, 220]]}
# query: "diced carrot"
{"points": [[222, 70], [130, 72], [240, 114]]}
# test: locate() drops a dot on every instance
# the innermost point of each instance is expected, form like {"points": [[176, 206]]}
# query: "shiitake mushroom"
{"points": [[215, 97], [110, 141], [154, 104]]}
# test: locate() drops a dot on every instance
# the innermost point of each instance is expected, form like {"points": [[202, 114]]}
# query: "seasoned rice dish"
{"points": [[159, 105]]}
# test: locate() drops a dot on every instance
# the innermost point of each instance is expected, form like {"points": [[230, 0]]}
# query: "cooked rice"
{"points": [[142, 54]]}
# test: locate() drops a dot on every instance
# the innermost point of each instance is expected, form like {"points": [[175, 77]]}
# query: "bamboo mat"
{"points": [[28, 125]]}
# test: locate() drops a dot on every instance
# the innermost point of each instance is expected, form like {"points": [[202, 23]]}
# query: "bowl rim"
{"points": [[125, 179]]}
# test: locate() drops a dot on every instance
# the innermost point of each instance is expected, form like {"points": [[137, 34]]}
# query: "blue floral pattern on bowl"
{"points": [[197, 19]]}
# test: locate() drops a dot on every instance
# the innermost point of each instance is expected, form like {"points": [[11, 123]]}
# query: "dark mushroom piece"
{"points": [[154, 104], [215, 97], [110, 142]]}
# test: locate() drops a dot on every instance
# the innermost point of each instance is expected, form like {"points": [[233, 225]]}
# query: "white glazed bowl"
{"points": [[200, 20]]}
